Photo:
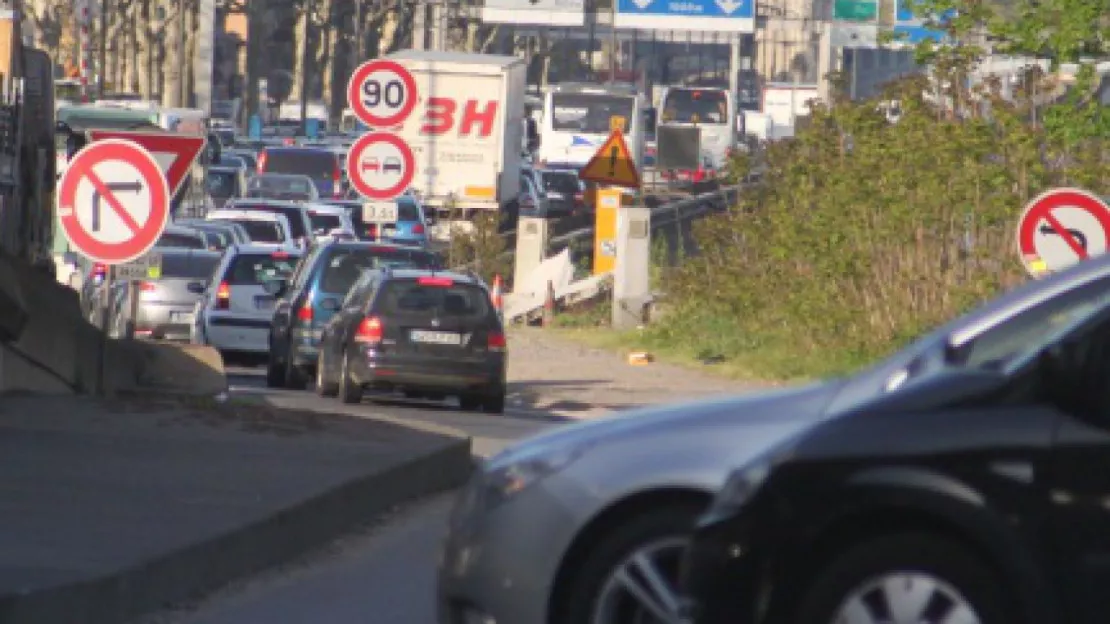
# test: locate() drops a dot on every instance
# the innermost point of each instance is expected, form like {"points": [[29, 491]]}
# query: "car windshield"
{"points": [[254, 269], [706, 106], [312, 163], [222, 184], [566, 183], [589, 113], [345, 266], [189, 266], [447, 300], [1017, 339]]}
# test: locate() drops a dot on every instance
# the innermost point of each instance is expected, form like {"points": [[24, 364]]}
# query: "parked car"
{"points": [[225, 183], [166, 305], [310, 298], [235, 312], [423, 332], [300, 226], [283, 187], [962, 479], [262, 228], [321, 165]]}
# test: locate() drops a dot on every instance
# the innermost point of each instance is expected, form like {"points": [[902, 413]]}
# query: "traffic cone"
{"points": [[549, 306], [498, 303]]}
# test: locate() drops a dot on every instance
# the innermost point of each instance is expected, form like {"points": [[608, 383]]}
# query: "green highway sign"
{"points": [[856, 10]]}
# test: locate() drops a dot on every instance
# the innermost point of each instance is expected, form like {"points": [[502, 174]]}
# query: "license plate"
{"points": [[264, 303], [185, 318], [434, 337]]}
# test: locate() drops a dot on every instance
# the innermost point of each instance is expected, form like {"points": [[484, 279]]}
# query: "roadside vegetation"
{"points": [[861, 234]]}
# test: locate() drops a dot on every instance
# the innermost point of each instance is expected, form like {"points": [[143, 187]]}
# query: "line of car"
{"points": [[963, 480]]}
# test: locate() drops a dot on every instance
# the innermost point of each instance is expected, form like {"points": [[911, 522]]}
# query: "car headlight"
{"points": [[739, 488], [503, 481]]}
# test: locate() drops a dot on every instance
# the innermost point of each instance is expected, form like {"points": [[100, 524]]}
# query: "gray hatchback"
{"points": [[166, 305]]}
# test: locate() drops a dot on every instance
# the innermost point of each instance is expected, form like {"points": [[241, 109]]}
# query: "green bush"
{"points": [[855, 240]]}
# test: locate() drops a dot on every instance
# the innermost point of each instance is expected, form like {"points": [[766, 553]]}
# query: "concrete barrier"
{"points": [[164, 367]]}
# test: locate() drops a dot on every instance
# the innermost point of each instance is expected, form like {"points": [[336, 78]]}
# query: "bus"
{"points": [[578, 118], [711, 110]]}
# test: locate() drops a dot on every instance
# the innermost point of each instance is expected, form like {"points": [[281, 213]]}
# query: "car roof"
{"points": [[263, 201], [355, 245], [282, 175], [292, 252], [249, 215], [225, 168], [415, 273], [175, 228], [178, 251], [300, 148], [326, 208]]}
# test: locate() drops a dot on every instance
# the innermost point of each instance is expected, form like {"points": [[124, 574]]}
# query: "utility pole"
{"points": [[102, 63], [309, 9]]}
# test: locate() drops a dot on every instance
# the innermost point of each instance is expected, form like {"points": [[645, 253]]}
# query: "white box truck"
{"points": [[466, 130]]}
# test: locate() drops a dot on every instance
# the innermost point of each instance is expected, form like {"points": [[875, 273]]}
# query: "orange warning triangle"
{"points": [[612, 164]]}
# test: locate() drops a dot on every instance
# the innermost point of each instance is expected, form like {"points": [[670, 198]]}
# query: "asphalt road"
{"points": [[383, 575]]}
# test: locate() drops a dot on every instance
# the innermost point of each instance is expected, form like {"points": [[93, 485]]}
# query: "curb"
{"points": [[217, 560]]}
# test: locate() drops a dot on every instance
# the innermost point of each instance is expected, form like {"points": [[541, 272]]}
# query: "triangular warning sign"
{"points": [[612, 164]]}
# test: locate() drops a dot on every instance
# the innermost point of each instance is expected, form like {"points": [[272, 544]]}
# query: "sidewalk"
{"points": [[576, 381], [112, 509]]}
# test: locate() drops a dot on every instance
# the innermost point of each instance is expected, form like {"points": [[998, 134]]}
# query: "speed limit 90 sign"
{"points": [[381, 93]]}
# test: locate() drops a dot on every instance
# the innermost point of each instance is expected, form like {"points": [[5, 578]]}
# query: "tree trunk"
{"points": [[333, 35], [188, 64], [257, 35], [172, 63], [302, 43], [131, 73], [145, 53], [388, 32]]}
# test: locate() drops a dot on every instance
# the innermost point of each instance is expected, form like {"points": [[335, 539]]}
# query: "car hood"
{"points": [[765, 418]]}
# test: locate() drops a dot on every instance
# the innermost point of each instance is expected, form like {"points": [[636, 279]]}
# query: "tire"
{"points": [[324, 386], [470, 402], [350, 393], [494, 404], [294, 376], [919, 553], [275, 369], [583, 592]]}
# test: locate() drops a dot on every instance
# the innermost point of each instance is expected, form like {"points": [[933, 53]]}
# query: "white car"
{"points": [[234, 315], [326, 219], [264, 228]]}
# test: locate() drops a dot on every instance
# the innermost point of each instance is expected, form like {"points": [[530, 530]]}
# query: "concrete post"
{"points": [[631, 281], [531, 248]]}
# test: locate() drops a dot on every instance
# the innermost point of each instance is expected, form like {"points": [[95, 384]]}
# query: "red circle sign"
{"points": [[381, 93], [113, 202], [1060, 227], [380, 165]]}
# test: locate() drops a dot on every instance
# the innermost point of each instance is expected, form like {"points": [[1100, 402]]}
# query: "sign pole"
{"points": [[133, 308], [105, 322]]}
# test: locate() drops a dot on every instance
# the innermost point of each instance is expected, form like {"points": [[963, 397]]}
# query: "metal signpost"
{"points": [[113, 203], [1060, 228]]}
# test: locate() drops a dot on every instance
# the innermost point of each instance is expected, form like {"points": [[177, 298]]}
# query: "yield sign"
{"points": [[1062, 227], [112, 201], [174, 153]]}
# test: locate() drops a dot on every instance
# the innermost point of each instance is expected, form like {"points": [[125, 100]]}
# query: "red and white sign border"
{"points": [[354, 93], [354, 173]]}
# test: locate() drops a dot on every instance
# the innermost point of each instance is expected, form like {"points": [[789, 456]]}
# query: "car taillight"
{"points": [[304, 313], [372, 230], [99, 271], [337, 183], [289, 141], [147, 286], [262, 162], [443, 282], [223, 296], [279, 255], [495, 341], [369, 331], [418, 228]]}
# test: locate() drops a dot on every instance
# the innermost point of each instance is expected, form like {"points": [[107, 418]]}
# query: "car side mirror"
{"points": [[196, 288], [330, 304], [274, 288]]}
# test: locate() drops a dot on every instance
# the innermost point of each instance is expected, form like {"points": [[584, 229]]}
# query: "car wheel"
{"points": [[324, 386], [494, 404], [275, 371], [294, 376], [632, 574], [911, 577], [349, 391], [470, 402]]}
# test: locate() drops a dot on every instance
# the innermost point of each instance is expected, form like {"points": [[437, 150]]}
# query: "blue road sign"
{"points": [[736, 16], [254, 130], [312, 128], [910, 29]]}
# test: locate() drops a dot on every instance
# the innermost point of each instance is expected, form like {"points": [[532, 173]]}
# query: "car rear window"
{"points": [[302, 162], [344, 266], [254, 269], [223, 184], [295, 216], [561, 183], [411, 298], [280, 184], [189, 266], [182, 241], [262, 231], [323, 223], [406, 212]]}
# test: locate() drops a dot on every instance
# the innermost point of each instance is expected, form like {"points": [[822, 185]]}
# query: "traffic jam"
{"points": [[962, 480]]}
